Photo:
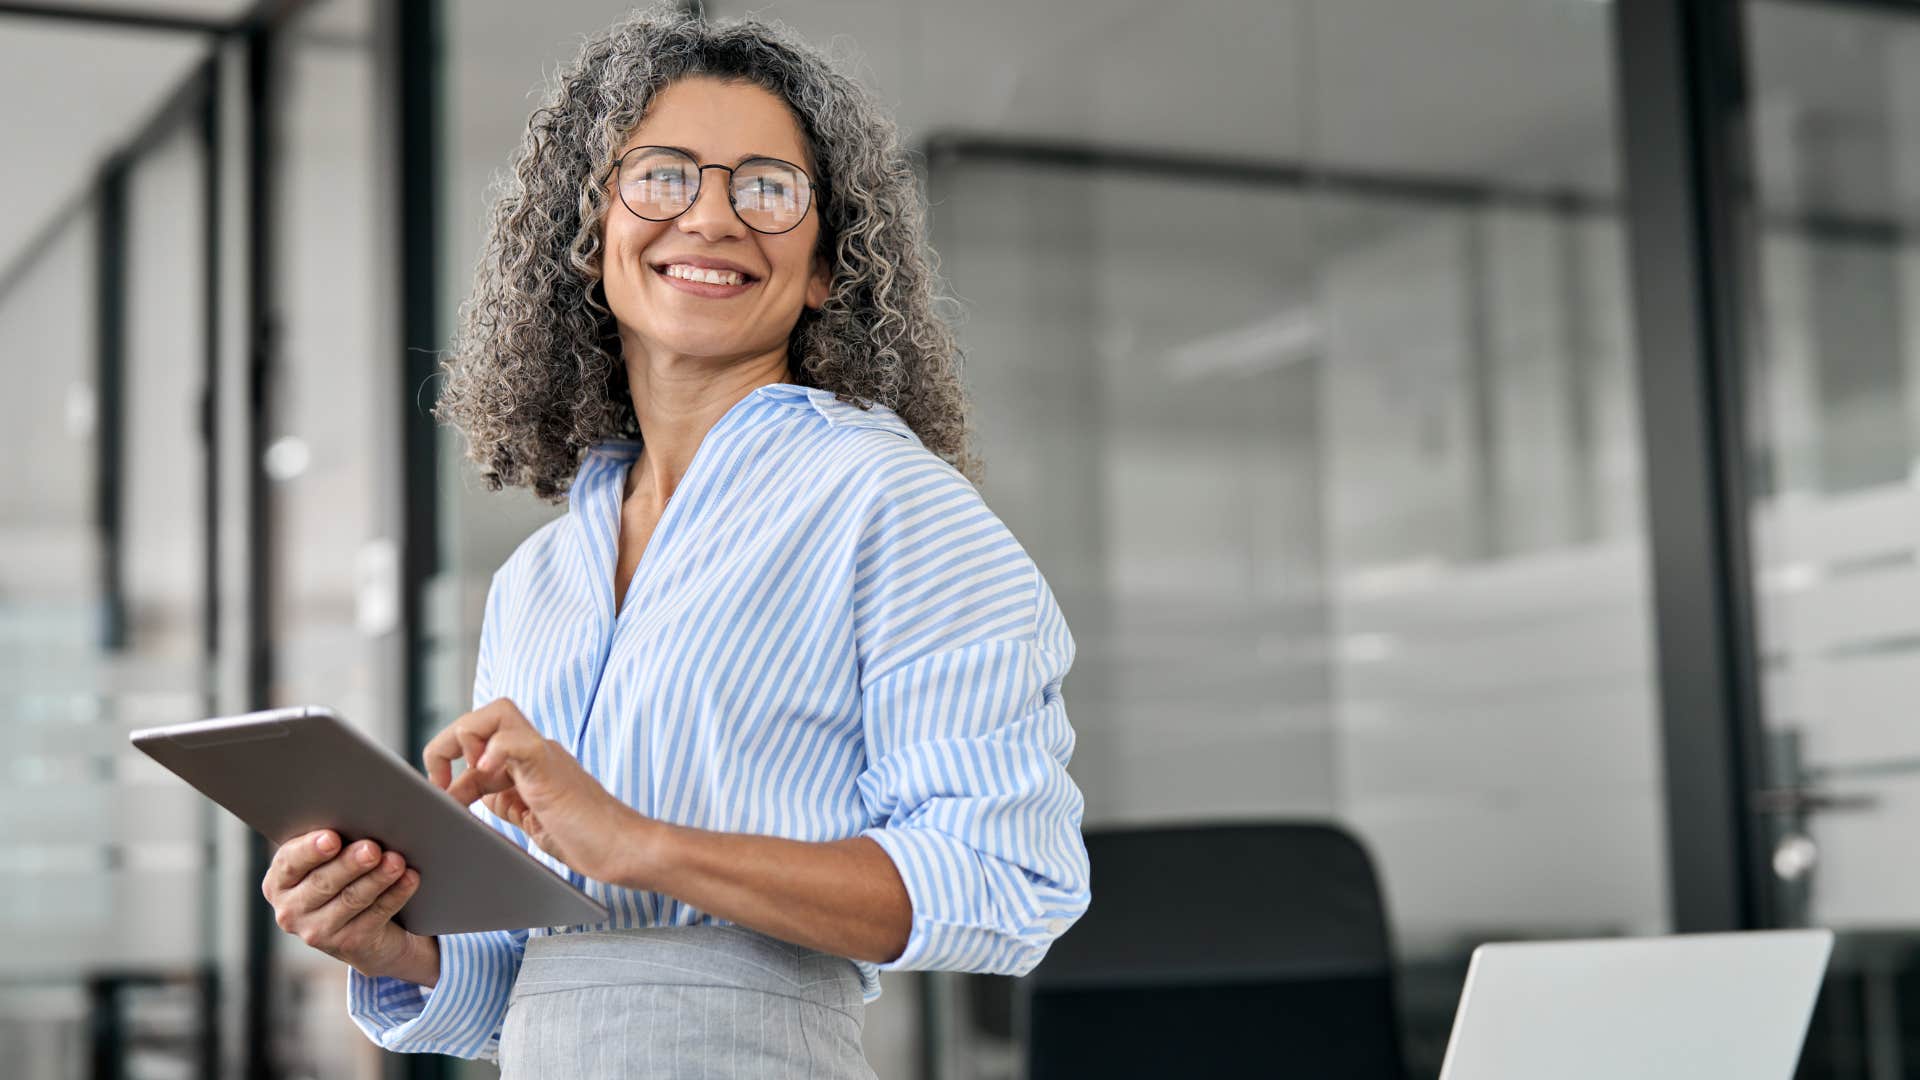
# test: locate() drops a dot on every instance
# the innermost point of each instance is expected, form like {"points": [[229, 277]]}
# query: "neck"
{"points": [[677, 406]]}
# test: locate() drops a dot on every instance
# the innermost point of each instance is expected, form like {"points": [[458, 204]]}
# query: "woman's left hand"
{"points": [[533, 783]]}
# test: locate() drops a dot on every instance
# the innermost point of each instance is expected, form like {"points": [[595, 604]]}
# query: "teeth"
{"points": [[711, 277]]}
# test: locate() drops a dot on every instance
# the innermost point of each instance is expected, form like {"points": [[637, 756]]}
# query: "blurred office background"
{"points": [[1491, 427]]}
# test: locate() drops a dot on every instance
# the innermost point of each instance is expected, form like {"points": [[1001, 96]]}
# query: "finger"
{"points": [[515, 808], [496, 749], [505, 723], [518, 812], [493, 770], [444, 747], [472, 748], [296, 858], [511, 738], [479, 780], [362, 891], [386, 905], [326, 880], [475, 782], [440, 752]]}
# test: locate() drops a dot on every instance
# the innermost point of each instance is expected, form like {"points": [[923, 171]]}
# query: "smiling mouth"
{"points": [[704, 275]]}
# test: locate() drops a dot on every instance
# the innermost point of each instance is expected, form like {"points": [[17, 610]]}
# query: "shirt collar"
{"points": [[763, 400]]}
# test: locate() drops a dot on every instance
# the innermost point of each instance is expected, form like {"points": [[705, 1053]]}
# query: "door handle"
{"points": [[1810, 800]]}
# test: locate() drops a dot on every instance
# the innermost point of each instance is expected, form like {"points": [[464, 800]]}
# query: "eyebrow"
{"points": [[734, 162]]}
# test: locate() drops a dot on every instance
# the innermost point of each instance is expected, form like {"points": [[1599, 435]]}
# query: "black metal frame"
{"points": [[257, 43], [416, 28], [1681, 81], [415, 33], [110, 306], [118, 18], [210, 236], [1892, 7], [947, 147]]}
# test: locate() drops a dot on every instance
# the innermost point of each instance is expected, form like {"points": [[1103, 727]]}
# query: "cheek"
{"points": [[625, 244], [795, 260]]}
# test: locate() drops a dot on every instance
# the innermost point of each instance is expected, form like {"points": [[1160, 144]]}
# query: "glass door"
{"points": [[1836, 517]]}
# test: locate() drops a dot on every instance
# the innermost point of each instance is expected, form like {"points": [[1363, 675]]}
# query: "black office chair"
{"points": [[1219, 951]]}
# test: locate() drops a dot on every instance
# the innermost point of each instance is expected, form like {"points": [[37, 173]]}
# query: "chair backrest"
{"points": [[1240, 949]]}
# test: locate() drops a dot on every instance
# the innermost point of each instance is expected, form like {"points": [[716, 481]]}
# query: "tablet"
{"points": [[287, 772]]}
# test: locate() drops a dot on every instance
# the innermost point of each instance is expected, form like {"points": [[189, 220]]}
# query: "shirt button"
{"points": [[1056, 926]]}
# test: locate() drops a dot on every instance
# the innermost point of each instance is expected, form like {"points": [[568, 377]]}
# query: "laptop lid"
{"points": [[1698, 1006]]}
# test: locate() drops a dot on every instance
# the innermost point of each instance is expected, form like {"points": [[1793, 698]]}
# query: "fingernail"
{"points": [[324, 842], [411, 877]]}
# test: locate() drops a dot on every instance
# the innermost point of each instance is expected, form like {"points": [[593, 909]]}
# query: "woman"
{"points": [[778, 689]]}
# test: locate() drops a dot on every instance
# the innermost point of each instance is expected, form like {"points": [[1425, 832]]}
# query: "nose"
{"points": [[711, 216]]}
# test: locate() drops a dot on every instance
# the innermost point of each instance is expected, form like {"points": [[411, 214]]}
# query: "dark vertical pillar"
{"points": [[110, 302], [416, 55], [107, 1052], [261, 931], [210, 201], [1682, 106]]}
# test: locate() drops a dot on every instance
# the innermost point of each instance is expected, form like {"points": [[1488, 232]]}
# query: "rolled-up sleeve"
{"points": [[461, 1014], [963, 651]]}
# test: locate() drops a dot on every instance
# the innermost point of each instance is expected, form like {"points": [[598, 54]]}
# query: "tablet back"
{"points": [[287, 772]]}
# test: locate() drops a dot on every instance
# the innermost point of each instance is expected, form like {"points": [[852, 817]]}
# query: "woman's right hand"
{"points": [[343, 902]]}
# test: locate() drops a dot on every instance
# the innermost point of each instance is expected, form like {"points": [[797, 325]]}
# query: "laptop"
{"points": [[1695, 1006]]}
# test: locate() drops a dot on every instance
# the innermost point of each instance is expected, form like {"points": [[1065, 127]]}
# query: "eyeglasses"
{"points": [[659, 183]]}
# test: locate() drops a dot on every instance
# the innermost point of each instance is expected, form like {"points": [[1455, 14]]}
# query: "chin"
{"points": [[701, 345]]}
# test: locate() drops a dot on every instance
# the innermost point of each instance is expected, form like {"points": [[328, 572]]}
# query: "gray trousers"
{"points": [[682, 1001]]}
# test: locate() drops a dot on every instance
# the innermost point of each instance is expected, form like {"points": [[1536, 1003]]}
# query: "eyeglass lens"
{"points": [[658, 183]]}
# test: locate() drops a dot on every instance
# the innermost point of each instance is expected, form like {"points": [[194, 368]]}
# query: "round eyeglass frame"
{"points": [[814, 187]]}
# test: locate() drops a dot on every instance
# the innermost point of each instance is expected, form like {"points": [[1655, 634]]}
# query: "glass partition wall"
{"points": [[109, 898], [1836, 505], [1326, 433], [1347, 527]]}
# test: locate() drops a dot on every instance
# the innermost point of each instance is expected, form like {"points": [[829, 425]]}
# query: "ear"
{"points": [[819, 284]]}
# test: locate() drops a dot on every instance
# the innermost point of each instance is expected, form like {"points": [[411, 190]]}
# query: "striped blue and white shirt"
{"points": [[829, 634]]}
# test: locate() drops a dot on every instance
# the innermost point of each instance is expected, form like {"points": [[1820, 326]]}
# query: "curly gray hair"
{"points": [[534, 371]]}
